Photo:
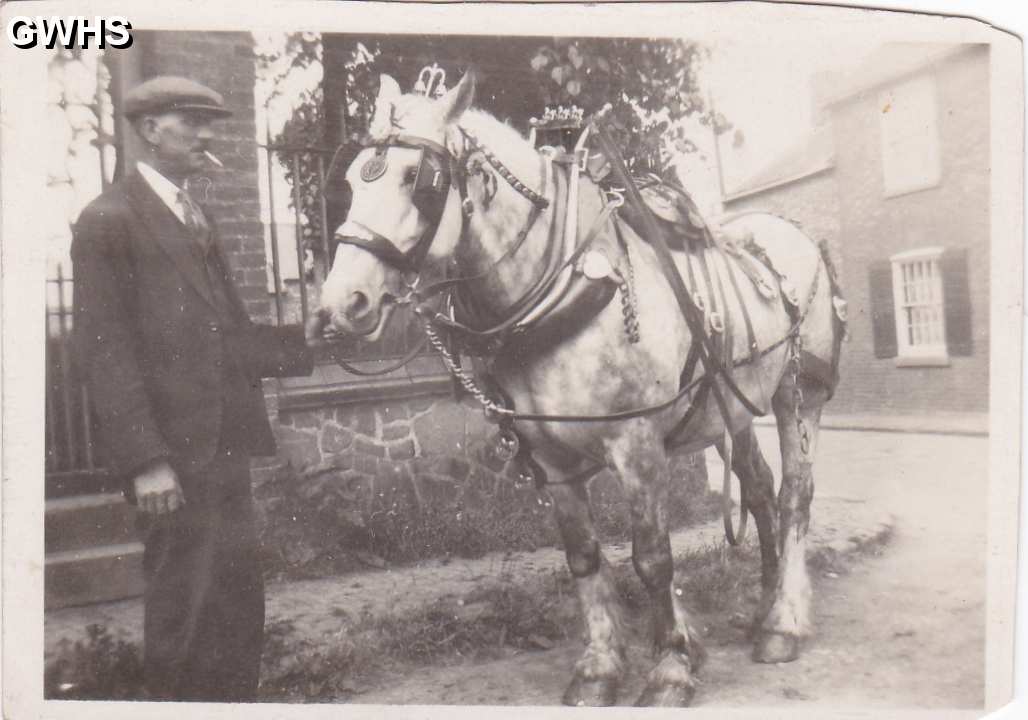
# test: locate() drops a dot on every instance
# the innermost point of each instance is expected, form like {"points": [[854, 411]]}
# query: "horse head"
{"points": [[405, 212]]}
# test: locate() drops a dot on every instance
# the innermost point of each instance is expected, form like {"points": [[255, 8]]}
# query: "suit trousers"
{"points": [[203, 627]]}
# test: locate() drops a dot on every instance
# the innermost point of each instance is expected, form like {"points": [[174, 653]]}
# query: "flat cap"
{"points": [[167, 92]]}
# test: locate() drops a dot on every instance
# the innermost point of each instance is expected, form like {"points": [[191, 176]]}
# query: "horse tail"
{"points": [[826, 372]]}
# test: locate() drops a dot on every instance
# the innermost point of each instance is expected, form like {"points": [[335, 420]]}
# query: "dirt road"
{"points": [[901, 630]]}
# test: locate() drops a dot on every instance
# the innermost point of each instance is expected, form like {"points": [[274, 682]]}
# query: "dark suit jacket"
{"points": [[155, 343]]}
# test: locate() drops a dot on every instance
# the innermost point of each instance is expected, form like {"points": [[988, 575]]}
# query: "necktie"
{"points": [[194, 220]]}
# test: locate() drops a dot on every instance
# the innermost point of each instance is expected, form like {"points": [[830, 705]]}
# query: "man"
{"points": [[174, 364]]}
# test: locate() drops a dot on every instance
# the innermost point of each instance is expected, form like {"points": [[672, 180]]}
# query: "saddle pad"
{"points": [[684, 227]]}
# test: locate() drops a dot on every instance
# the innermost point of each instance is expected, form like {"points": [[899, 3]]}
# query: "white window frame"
{"points": [[917, 286], [908, 121]]}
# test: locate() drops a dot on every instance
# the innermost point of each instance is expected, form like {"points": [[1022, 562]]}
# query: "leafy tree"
{"points": [[650, 84]]}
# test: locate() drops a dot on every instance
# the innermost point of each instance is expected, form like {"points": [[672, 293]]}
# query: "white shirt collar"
{"points": [[166, 190]]}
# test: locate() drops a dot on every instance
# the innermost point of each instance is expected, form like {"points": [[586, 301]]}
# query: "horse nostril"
{"points": [[317, 323], [358, 304]]}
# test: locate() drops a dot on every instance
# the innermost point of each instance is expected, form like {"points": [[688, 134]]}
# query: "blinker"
{"points": [[431, 184]]}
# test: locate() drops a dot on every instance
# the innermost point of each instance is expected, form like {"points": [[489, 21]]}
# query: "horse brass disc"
{"points": [[374, 168]]}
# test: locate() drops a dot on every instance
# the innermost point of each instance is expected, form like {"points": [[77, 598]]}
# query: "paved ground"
{"points": [[903, 630]]}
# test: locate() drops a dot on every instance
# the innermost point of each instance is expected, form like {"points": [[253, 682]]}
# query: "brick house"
{"points": [[896, 179]]}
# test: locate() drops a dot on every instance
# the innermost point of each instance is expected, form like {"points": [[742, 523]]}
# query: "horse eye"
{"points": [[410, 176]]}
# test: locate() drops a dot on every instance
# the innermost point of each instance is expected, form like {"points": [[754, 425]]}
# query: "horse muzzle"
{"points": [[357, 318]]}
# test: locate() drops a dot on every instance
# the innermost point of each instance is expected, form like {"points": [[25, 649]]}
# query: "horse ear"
{"points": [[457, 100], [382, 117], [388, 91]]}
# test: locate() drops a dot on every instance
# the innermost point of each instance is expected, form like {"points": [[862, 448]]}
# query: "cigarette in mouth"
{"points": [[210, 156]]}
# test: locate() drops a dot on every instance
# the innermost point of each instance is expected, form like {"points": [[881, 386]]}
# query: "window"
{"points": [[920, 304], [910, 138]]}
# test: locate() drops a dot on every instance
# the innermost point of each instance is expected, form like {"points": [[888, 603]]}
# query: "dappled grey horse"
{"points": [[448, 190]]}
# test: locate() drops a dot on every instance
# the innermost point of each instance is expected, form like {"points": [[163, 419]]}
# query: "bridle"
{"points": [[438, 170]]}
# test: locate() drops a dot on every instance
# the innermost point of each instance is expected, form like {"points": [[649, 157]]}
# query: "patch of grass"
{"points": [[297, 670], [716, 579], [498, 616], [467, 530], [320, 525], [99, 668], [824, 560]]}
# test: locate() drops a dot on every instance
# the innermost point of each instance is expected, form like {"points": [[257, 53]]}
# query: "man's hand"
{"points": [[158, 490]]}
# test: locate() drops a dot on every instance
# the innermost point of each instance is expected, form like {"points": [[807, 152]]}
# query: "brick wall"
{"points": [[953, 214], [224, 61]]}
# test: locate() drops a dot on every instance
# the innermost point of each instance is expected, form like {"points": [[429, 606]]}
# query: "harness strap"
{"points": [[751, 336], [692, 273], [705, 274], [380, 246], [690, 412], [537, 291], [726, 318], [410, 355], [732, 534]]}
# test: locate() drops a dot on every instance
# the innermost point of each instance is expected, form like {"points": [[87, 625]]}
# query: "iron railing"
{"points": [[73, 462]]}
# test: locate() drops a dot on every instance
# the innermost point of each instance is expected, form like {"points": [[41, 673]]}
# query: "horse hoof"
{"points": [[773, 647], [596, 692], [666, 696]]}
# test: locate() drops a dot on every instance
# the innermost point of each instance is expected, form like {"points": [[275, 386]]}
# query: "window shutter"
{"points": [[883, 313], [956, 294]]}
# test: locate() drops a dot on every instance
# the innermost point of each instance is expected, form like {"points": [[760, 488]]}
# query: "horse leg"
{"points": [[788, 617], [639, 457], [758, 495], [598, 672]]}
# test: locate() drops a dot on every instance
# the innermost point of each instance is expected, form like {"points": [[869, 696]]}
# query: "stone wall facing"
{"points": [[411, 479], [421, 449]]}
